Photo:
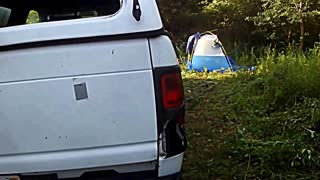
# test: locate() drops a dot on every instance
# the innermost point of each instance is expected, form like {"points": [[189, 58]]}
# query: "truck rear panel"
{"points": [[41, 113], [83, 95]]}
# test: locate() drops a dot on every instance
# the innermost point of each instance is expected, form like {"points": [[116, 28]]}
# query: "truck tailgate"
{"points": [[70, 106]]}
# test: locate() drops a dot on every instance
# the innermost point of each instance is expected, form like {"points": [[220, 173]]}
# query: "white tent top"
{"points": [[206, 46]]}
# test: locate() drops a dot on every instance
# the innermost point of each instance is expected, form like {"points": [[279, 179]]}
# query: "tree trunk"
{"points": [[301, 27], [302, 32], [289, 36]]}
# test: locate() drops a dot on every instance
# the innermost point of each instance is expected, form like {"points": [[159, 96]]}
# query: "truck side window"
{"points": [[4, 16], [38, 11]]}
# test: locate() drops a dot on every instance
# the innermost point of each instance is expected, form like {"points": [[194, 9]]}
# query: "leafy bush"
{"points": [[262, 124], [279, 110]]}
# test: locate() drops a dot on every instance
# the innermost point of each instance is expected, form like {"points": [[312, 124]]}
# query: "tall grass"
{"points": [[277, 110], [262, 124], [291, 77]]}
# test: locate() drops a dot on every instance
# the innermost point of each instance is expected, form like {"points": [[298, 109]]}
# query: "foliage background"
{"points": [[263, 124], [245, 24]]}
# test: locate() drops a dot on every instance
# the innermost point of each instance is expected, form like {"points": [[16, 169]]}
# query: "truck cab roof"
{"points": [[71, 19]]}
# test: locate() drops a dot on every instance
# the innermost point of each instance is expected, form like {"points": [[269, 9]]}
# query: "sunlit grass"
{"points": [[263, 124]]}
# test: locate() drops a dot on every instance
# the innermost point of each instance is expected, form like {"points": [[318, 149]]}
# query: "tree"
{"points": [[229, 17], [284, 19], [182, 17], [245, 23]]}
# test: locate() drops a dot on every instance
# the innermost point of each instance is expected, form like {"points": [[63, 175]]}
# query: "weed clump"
{"points": [[279, 116], [270, 118]]}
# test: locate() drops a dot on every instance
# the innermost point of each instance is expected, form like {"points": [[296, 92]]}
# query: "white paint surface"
{"points": [[162, 51], [170, 165], [121, 23], [59, 162], [43, 126], [45, 129]]}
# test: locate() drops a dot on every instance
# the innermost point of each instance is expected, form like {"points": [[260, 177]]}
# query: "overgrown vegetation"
{"points": [[263, 124], [245, 23]]}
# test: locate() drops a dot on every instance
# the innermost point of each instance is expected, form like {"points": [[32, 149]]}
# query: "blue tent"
{"points": [[207, 53]]}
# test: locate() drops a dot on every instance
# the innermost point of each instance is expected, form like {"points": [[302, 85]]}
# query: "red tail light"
{"points": [[170, 110], [172, 90]]}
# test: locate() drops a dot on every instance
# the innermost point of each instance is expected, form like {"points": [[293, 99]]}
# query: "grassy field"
{"points": [[255, 125], [206, 125]]}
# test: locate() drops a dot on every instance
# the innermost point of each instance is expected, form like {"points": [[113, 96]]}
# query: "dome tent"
{"points": [[207, 53]]}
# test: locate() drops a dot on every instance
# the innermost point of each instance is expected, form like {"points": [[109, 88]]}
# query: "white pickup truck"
{"points": [[92, 90]]}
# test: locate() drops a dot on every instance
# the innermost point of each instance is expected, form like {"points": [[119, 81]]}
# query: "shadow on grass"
{"points": [[234, 134], [208, 125]]}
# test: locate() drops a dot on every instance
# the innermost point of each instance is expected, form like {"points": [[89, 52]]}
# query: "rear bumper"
{"points": [[169, 166], [79, 159], [168, 169], [141, 175], [171, 177]]}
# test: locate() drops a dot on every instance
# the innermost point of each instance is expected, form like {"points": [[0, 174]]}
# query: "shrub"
{"points": [[278, 111]]}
